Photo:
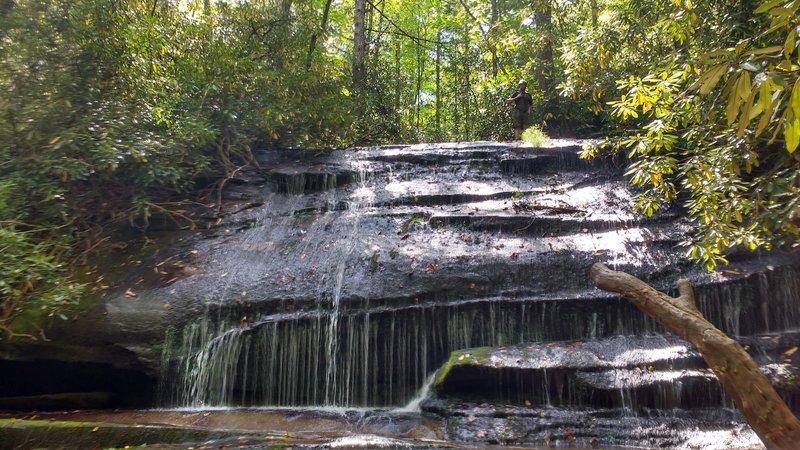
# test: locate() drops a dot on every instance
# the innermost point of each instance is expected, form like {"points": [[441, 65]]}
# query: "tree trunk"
{"points": [[286, 9], [420, 68], [438, 86], [493, 39], [398, 84], [320, 34], [359, 44], [594, 14], [759, 403], [543, 18]]}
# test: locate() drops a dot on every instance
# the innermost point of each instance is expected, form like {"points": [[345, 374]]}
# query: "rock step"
{"points": [[639, 373]]}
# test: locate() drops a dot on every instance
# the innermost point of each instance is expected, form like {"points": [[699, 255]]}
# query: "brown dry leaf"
{"points": [[470, 418], [790, 352], [514, 256], [731, 272], [405, 237], [131, 293], [472, 285], [432, 267], [95, 429]]}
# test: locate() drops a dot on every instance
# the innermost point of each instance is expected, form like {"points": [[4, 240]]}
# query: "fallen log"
{"points": [[762, 407]]}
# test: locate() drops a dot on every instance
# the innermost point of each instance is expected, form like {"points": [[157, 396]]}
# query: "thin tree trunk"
{"points": [[493, 39], [543, 18], [438, 86], [594, 13], [323, 27], [418, 102], [466, 87], [286, 9], [489, 39], [359, 44], [398, 85], [759, 403]]}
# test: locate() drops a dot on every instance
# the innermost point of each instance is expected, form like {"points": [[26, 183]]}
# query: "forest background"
{"points": [[114, 110]]}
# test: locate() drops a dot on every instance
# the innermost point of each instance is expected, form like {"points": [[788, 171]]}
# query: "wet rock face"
{"points": [[347, 278]]}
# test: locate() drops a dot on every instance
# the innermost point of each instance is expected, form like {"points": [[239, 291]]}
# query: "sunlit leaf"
{"points": [[792, 135]]}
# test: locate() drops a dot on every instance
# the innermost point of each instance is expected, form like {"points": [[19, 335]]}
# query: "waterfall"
{"points": [[382, 356], [329, 327]]}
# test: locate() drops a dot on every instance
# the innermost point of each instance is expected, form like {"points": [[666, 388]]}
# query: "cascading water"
{"points": [[353, 293]]}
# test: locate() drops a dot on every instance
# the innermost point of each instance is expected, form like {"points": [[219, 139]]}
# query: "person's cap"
{"points": [[521, 82]]}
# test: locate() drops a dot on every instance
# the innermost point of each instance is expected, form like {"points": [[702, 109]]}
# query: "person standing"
{"points": [[522, 102]]}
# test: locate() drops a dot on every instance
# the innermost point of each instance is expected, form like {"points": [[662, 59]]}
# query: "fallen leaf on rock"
{"points": [[480, 433], [470, 418], [514, 256], [405, 237], [95, 429], [131, 293], [472, 285], [790, 352], [528, 403], [432, 267]]}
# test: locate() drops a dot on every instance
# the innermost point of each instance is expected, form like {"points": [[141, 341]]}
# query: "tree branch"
{"points": [[756, 398]]}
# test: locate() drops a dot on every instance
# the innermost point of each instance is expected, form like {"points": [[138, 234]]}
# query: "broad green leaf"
{"points": [[766, 50], [733, 102], [781, 12], [744, 120], [745, 87], [767, 102], [789, 45], [795, 99], [710, 57], [768, 5], [792, 135], [710, 78]]}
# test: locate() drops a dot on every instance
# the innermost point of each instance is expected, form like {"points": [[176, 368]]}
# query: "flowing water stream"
{"points": [[360, 272]]}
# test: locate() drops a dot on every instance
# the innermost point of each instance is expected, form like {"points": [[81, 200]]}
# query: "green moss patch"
{"points": [[473, 357]]}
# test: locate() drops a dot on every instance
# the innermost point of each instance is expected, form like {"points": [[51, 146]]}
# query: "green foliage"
{"points": [[535, 136], [113, 109], [32, 280], [715, 128]]}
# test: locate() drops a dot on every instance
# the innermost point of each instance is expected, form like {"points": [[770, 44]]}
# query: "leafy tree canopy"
{"points": [[115, 109]]}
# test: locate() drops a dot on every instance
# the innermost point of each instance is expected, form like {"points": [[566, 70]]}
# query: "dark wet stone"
{"points": [[347, 278]]}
